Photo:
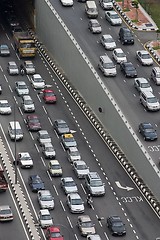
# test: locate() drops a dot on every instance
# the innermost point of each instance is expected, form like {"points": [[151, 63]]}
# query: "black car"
{"points": [[128, 69], [36, 183], [126, 36], [61, 127], [147, 131], [116, 226]]}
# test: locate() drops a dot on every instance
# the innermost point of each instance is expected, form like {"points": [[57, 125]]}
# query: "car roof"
{"points": [[3, 101], [60, 121], [21, 83], [41, 132], [115, 218], [73, 149], [74, 195], [44, 212], [35, 176], [37, 75], [119, 50], [79, 162], [142, 80], [84, 218], [26, 97], [54, 162], [146, 125], [68, 179], [44, 192], [94, 21], [23, 154], [48, 144]]}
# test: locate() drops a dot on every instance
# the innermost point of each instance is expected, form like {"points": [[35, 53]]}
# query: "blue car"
{"points": [[36, 183], [147, 131]]}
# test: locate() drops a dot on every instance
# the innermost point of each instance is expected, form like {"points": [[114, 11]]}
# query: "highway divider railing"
{"points": [[115, 149]]}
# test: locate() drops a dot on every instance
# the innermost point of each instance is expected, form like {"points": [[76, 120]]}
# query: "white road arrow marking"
{"points": [[72, 131], [125, 188]]}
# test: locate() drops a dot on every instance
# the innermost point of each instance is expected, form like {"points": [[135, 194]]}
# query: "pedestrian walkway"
{"points": [[138, 19]]}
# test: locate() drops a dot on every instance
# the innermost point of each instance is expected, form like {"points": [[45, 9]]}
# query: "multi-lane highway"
{"points": [[141, 222], [121, 88]]}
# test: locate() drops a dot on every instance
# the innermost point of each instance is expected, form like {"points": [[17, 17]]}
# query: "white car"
{"points": [[29, 67], [5, 108], [45, 199], [68, 185], [25, 160], [12, 68], [75, 203], [67, 3], [73, 154], [21, 88], [55, 168], [80, 168], [93, 237], [43, 137], [48, 151], [142, 85], [27, 104], [113, 18], [119, 56], [144, 58], [45, 219], [108, 42], [37, 81]]}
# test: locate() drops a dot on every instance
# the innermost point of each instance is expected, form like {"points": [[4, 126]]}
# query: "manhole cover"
{"points": [[148, 24]]}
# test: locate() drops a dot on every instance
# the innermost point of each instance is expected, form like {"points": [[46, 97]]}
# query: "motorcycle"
{"points": [[90, 202]]}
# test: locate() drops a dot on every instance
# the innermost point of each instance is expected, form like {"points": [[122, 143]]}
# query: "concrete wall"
{"points": [[51, 30]]}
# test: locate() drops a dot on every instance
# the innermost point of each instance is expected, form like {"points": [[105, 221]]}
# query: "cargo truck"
{"points": [[3, 181], [24, 44]]}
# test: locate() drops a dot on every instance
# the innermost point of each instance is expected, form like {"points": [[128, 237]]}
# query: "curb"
{"points": [[146, 192], [129, 22], [152, 52]]}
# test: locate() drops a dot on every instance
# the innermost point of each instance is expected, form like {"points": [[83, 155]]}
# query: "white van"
{"points": [[15, 131], [91, 9], [107, 66]]}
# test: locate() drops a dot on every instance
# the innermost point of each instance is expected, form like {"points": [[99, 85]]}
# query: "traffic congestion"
{"points": [[72, 182]]}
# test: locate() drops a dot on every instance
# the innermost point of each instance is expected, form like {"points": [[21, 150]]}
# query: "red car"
{"points": [[53, 233], [49, 96], [33, 123]]}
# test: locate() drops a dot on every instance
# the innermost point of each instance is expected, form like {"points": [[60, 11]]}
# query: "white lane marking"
{"points": [[62, 206], [1, 68], [76, 236], [83, 188], [62, 146], [69, 222], [38, 97], [49, 175], [37, 147], [7, 36], [31, 135], [55, 189], [24, 227], [10, 89], [12, 46], [44, 109], [105, 234], [50, 121], [43, 161], [6, 78], [21, 112]]}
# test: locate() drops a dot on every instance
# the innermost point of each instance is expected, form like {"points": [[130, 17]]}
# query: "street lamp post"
{"points": [[15, 145]]}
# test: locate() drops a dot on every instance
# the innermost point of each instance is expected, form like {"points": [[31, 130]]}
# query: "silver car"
{"points": [[21, 88], [93, 237], [43, 137], [142, 84], [85, 225], [80, 168], [144, 58], [45, 199], [68, 185], [29, 67], [94, 26], [108, 42], [45, 219], [5, 108], [75, 203], [113, 18], [48, 150], [5, 213], [27, 104], [73, 154], [12, 68]]}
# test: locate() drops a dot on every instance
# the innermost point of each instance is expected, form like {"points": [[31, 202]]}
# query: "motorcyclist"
{"points": [[89, 199], [22, 69]]}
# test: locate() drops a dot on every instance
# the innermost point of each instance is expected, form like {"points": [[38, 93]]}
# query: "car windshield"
{"points": [[149, 130], [34, 120], [158, 75], [17, 131], [95, 24], [47, 198], [49, 149], [76, 202], [128, 34], [70, 184], [13, 67], [114, 16], [71, 139], [121, 54], [4, 105], [4, 47], [37, 180], [81, 167], [29, 65], [87, 224], [27, 45], [106, 1], [152, 100], [130, 68], [146, 56], [109, 65], [117, 224], [22, 87], [55, 235], [62, 125], [145, 85], [108, 40], [44, 136], [75, 153], [96, 183], [28, 102], [5, 212], [56, 166], [38, 80], [49, 94], [46, 217], [26, 157]]}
